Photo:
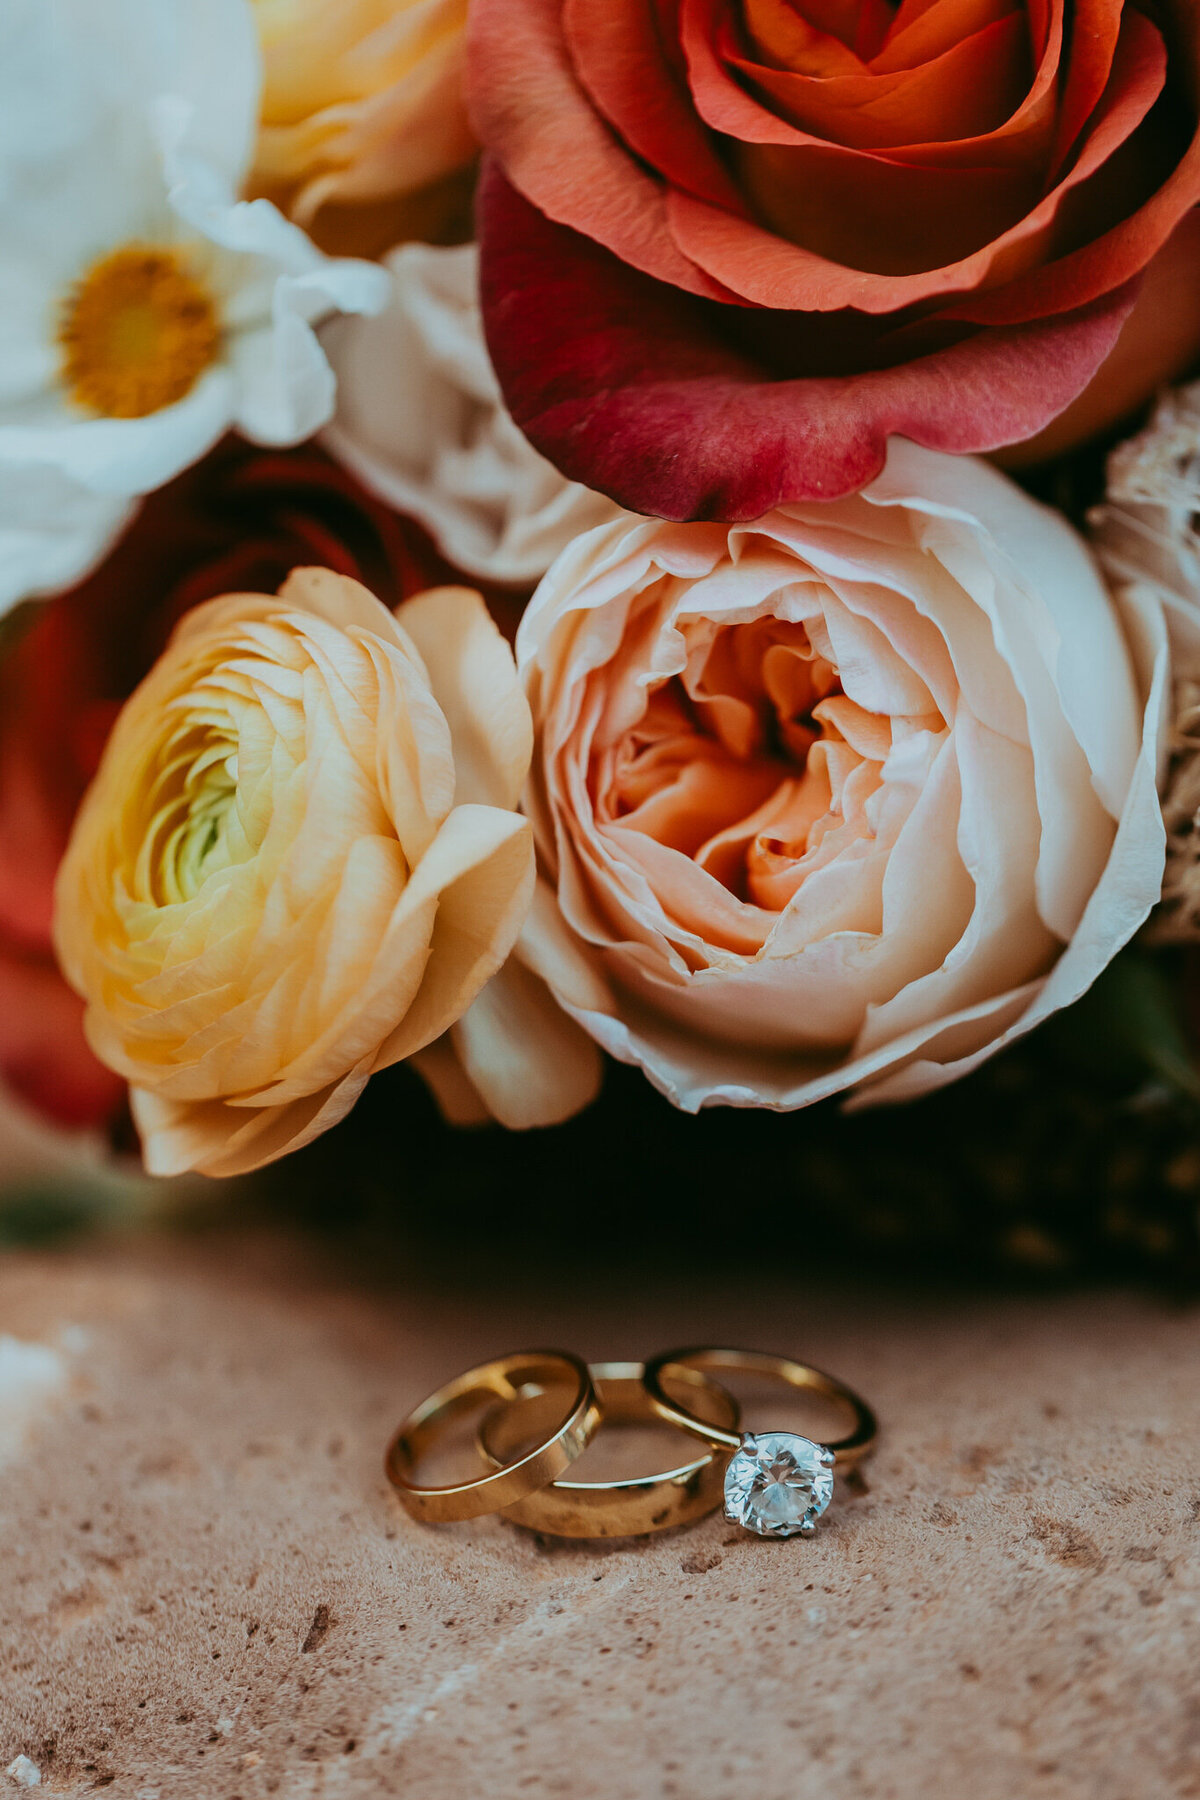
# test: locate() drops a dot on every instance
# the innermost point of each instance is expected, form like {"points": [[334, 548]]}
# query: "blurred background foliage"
{"points": [[1077, 1152]]}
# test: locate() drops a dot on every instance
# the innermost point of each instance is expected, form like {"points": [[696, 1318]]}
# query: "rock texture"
{"points": [[208, 1590]]}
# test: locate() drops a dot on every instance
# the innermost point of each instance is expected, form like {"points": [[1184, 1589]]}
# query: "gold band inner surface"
{"points": [[630, 1505]]}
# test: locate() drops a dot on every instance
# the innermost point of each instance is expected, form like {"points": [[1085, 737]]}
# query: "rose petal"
{"points": [[526, 101], [628, 387], [439, 1067]]}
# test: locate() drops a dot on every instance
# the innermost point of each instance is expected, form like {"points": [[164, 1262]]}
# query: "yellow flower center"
{"points": [[136, 332]]}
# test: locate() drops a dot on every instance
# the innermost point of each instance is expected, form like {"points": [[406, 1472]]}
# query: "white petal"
{"points": [[52, 531], [126, 457], [205, 52], [29, 357], [285, 387], [150, 107]]}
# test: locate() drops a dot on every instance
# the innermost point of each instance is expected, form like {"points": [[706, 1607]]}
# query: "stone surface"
{"points": [[778, 1484], [209, 1592]]}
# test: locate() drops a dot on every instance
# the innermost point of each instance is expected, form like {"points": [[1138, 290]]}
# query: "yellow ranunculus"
{"points": [[363, 106], [300, 860]]}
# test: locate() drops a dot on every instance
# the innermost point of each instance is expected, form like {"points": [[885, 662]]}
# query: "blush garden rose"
{"points": [[729, 246], [844, 799], [299, 862]]}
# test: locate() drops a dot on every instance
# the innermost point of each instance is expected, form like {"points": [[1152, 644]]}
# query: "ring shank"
{"points": [[707, 1359], [506, 1378], [631, 1505]]}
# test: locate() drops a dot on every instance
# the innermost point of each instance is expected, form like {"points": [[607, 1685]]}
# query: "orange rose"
{"points": [[729, 246]]}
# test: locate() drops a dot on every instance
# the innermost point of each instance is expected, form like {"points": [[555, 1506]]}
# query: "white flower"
{"points": [[52, 530], [144, 310], [420, 422]]}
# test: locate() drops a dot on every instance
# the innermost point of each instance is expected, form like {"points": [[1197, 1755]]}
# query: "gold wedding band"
{"points": [[627, 1507], [507, 1378], [777, 1483]]}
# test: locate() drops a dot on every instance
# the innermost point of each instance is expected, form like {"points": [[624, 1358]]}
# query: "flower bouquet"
{"points": [[543, 535]]}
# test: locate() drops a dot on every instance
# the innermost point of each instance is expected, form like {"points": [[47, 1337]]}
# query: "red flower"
{"points": [[730, 245], [238, 521]]}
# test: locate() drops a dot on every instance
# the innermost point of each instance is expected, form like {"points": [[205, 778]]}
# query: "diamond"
{"points": [[778, 1483]]}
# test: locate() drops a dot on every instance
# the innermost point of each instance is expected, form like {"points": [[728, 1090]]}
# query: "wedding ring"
{"points": [[556, 1375], [777, 1483], [632, 1506]]}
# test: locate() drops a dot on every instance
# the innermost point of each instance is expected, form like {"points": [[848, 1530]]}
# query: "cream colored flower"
{"points": [[420, 421], [362, 99], [299, 863]]}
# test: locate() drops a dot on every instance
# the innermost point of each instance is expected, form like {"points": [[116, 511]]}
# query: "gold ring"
{"points": [[631, 1506], [777, 1483], [505, 1378]]}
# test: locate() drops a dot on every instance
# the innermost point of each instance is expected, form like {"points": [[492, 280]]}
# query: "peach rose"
{"points": [[844, 798], [299, 862], [362, 101]]}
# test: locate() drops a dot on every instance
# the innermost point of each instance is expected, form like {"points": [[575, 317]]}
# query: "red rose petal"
{"points": [[929, 34], [625, 384], [1095, 33], [1124, 251], [706, 37], [44, 1056], [787, 40], [970, 90]]}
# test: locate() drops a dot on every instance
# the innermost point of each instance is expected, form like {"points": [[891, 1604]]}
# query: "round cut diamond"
{"points": [[778, 1484]]}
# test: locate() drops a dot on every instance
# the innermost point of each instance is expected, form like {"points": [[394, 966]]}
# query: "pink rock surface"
{"points": [[208, 1589]]}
